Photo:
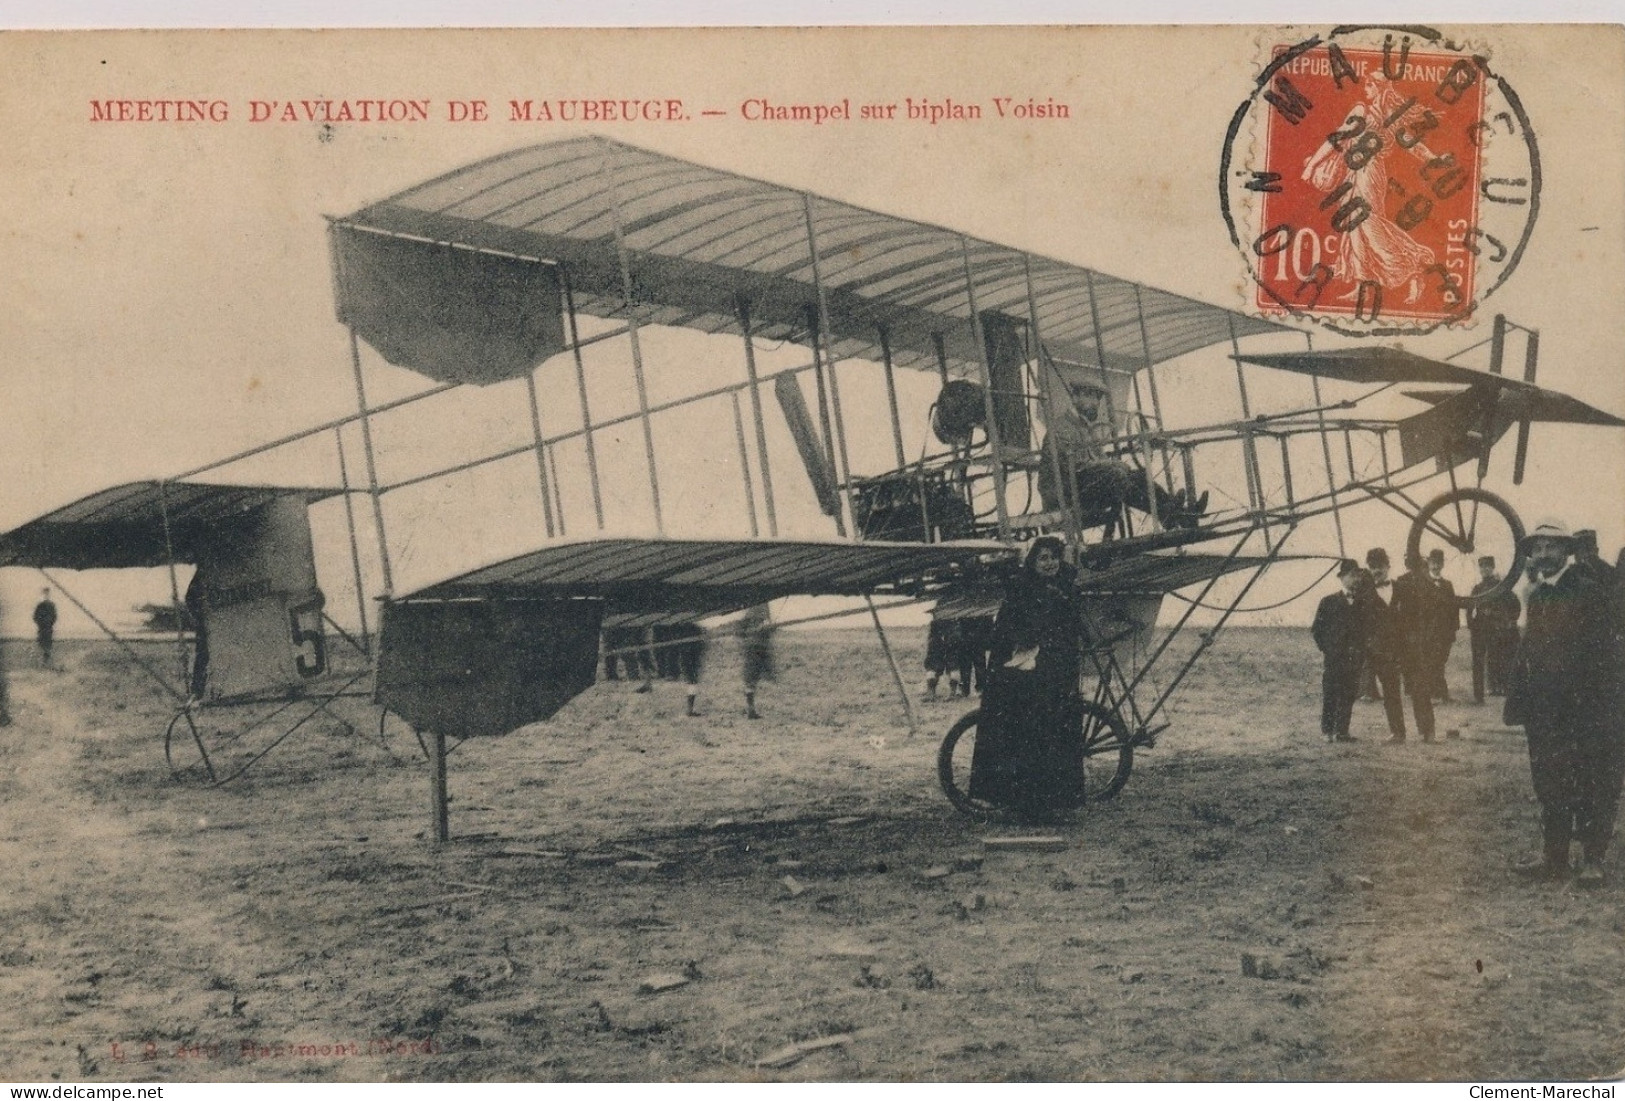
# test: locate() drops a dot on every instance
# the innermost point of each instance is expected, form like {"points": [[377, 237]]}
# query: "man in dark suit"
{"points": [[1413, 618], [1444, 620], [1341, 630], [1565, 693], [1383, 647], [1492, 627]]}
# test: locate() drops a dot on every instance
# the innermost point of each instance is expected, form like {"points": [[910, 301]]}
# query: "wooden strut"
{"points": [[1065, 479], [437, 787], [756, 415], [896, 673], [372, 464], [744, 466], [822, 335], [541, 451], [633, 325], [989, 409], [355, 547], [586, 409]]}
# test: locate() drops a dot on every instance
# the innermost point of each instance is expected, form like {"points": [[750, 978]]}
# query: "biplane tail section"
{"points": [[254, 592]]}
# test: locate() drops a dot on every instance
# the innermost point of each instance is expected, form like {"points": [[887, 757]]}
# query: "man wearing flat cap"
{"points": [[1564, 692], [1342, 631], [1492, 628]]}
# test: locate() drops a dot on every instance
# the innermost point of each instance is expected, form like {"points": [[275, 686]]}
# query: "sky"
{"points": [[170, 298]]}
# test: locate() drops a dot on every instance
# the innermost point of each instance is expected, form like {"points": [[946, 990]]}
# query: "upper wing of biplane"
{"points": [[597, 224], [141, 524]]}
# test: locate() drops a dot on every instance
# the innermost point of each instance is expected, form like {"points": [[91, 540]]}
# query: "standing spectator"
{"points": [[756, 653], [1589, 560], [1565, 694], [975, 636], [680, 655], [1410, 617], [45, 626], [1383, 645], [1444, 620], [1028, 755], [1376, 560], [1341, 631], [942, 644], [1491, 621]]}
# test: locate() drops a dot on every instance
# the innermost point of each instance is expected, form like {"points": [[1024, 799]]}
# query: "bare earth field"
{"points": [[296, 925]]}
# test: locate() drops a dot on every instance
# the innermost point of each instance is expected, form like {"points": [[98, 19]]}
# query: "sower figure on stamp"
{"points": [[1491, 623], [1341, 630], [1411, 616], [1565, 694]]}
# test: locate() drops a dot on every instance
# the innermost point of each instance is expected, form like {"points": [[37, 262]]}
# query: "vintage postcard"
{"points": [[813, 554]]}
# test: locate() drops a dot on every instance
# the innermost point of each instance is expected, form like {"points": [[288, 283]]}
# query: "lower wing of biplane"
{"points": [[511, 643]]}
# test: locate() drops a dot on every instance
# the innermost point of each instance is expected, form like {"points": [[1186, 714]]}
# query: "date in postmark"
{"points": [[1380, 181]]}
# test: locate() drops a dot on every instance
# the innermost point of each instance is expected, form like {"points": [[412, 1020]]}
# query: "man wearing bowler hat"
{"points": [[1341, 631], [1564, 692]]}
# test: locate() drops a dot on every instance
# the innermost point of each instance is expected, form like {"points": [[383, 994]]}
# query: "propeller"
{"points": [[1521, 452], [1487, 435]]}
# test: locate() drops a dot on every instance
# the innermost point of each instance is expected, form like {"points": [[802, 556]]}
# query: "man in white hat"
{"points": [[1564, 693]]}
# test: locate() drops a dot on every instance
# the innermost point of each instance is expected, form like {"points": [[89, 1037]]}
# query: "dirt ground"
{"points": [[1256, 905]]}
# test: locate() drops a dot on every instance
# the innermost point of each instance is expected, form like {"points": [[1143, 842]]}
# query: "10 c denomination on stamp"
{"points": [[1379, 181]]}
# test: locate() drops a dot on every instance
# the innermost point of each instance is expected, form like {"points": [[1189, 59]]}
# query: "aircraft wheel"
{"points": [[1466, 524], [1108, 758], [1108, 753], [953, 768]]}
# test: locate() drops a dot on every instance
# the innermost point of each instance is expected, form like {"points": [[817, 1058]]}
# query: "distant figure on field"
{"points": [[1565, 693], [942, 643], [1413, 616], [1342, 629], [756, 659], [975, 637], [624, 647], [45, 626], [1492, 628]]}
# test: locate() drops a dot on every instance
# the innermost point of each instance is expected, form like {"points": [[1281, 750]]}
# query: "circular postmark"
{"points": [[1379, 181]]}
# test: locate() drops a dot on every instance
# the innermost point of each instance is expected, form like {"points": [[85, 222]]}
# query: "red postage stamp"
{"points": [[1364, 167]]}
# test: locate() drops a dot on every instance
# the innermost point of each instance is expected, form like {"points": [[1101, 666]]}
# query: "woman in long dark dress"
{"points": [[1028, 754]]}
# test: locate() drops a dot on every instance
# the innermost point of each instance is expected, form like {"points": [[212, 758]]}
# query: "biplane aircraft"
{"points": [[521, 270]]}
